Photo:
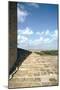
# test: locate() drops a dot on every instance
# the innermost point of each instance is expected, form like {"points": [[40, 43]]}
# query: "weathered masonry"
{"points": [[12, 14]]}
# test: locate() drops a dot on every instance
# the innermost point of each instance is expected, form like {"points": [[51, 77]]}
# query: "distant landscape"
{"points": [[48, 52]]}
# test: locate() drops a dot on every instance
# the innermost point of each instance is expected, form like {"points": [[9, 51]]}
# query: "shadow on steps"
{"points": [[21, 56]]}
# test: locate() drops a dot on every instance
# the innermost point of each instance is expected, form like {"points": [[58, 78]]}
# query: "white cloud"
{"points": [[21, 15], [46, 40], [36, 5], [40, 33], [54, 35], [18, 37], [44, 33], [22, 6], [37, 41], [26, 31], [23, 36], [22, 42], [47, 32], [43, 40], [23, 39], [40, 40]]}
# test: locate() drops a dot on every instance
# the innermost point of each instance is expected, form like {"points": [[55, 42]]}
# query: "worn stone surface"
{"points": [[36, 70], [12, 34]]}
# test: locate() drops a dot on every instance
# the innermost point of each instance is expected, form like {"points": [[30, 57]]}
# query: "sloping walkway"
{"points": [[36, 70]]}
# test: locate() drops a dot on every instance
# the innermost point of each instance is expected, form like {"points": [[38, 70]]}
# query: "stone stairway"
{"points": [[36, 70]]}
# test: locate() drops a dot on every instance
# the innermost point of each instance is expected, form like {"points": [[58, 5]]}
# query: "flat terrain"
{"points": [[36, 70]]}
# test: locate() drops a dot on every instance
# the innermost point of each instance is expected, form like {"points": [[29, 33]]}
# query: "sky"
{"points": [[37, 26]]}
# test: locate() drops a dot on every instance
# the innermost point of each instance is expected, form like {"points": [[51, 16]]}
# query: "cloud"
{"points": [[20, 5], [21, 15], [43, 40], [47, 32], [37, 41], [40, 41], [23, 36], [34, 5], [54, 35], [39, 33], [22, 40], [47, 40], [44, 33], [26, 31]]}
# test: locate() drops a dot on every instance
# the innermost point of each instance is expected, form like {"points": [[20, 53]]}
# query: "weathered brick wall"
{"points": [[12, 33]]}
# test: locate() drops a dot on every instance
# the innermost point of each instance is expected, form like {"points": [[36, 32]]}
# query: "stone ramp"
{"points": [[36, 70]]}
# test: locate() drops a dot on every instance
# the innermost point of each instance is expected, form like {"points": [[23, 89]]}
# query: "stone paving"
{"points": [[36, 70]]}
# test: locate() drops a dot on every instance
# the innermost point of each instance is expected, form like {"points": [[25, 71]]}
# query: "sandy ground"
{"points": [[36, 70]]}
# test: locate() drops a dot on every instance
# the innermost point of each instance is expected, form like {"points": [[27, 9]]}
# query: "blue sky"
{"points": [[37, 26]]}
